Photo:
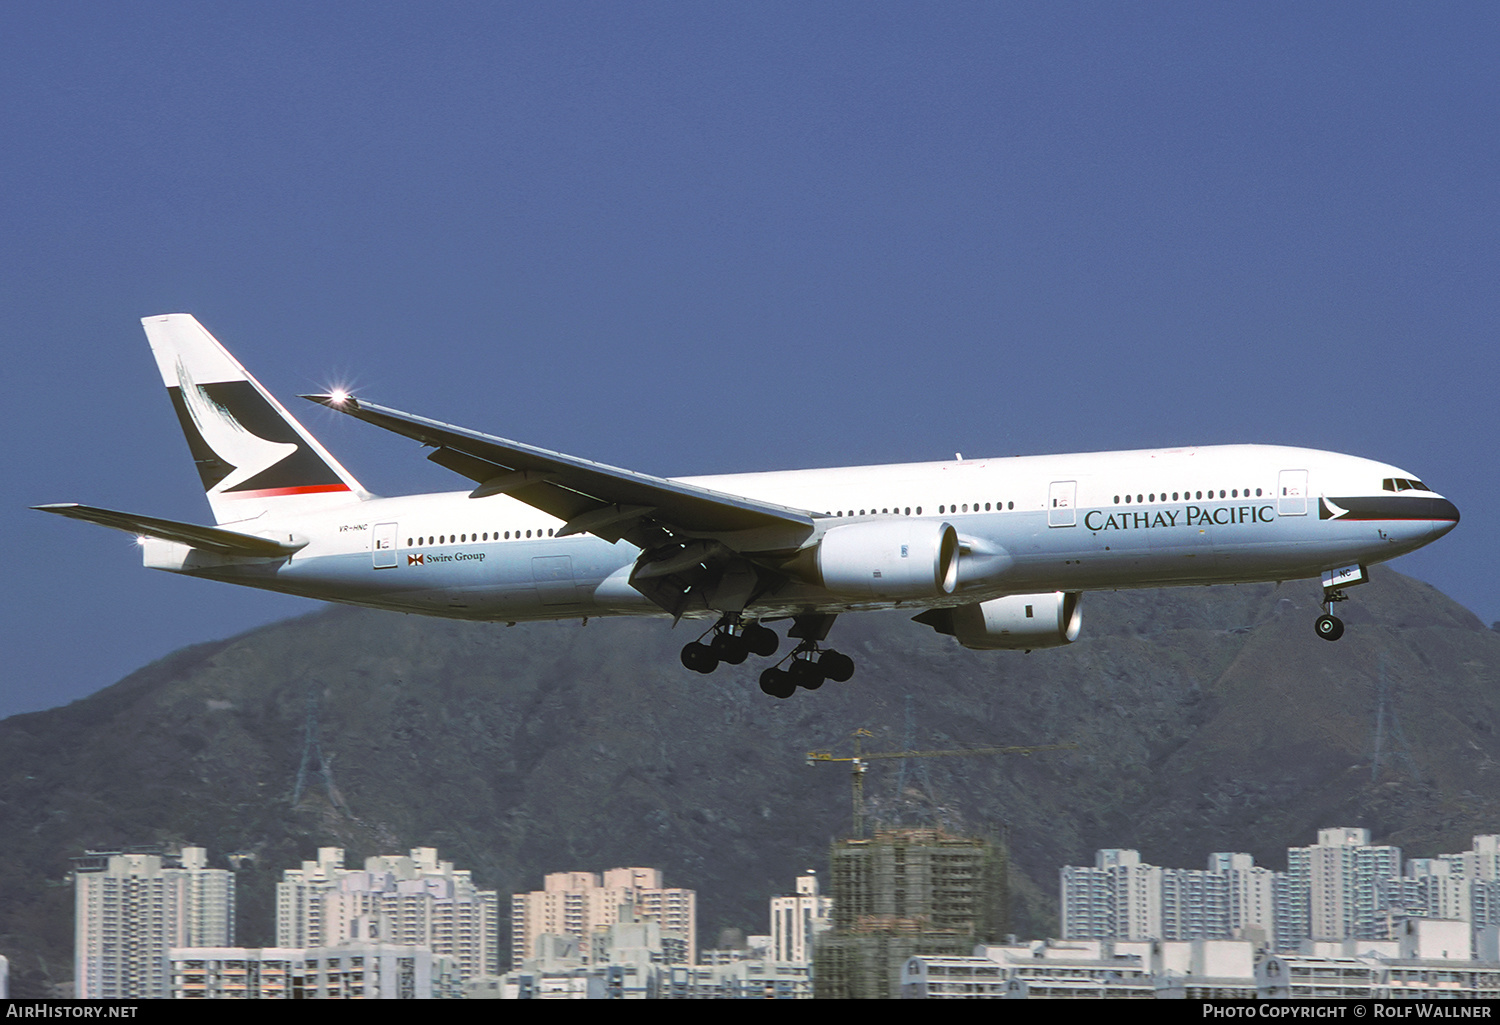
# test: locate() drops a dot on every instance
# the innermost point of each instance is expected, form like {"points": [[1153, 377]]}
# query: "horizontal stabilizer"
{"points": [[213, 539]]}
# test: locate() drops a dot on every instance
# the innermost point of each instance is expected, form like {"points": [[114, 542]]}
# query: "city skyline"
{"points": [[157, 924]]}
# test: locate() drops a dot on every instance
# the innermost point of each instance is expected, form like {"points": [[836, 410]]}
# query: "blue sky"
{"points": [[694, 238]]}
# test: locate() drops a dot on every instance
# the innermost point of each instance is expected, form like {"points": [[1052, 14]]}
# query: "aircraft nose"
{"points": [[1444, 516]]}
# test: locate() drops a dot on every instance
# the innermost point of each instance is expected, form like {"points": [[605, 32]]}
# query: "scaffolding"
{"points": [[906, 892]]}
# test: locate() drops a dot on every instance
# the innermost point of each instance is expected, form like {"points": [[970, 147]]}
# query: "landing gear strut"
{"points": [[1328, 626]]}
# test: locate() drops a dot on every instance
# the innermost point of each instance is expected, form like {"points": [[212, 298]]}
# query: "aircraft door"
{"points": [[383, 545], [554, 579], [1291, 493], [1062, 503]]}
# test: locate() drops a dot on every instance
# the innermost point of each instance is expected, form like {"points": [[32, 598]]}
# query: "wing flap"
{"points": [[213, 539]]}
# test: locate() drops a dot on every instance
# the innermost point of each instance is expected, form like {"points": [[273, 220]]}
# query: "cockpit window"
{"points": [[1402, 484]]}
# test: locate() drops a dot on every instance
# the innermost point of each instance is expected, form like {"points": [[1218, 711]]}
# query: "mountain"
{"points": [[1206, 720]]}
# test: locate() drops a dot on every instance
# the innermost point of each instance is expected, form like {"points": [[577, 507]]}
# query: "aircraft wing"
{"points": [[591, 497], [213, 539]]}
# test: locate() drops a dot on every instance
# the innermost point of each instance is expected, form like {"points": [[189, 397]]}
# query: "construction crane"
{"points": [[859, 762]]}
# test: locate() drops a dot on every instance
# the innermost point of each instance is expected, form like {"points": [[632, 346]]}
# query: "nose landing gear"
{"points": [[1328, 626]]}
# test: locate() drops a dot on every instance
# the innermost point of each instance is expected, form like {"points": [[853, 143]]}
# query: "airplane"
{"points": [[993, 552]]}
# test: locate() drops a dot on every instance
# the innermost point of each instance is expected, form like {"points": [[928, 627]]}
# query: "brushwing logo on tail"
{"points": [[247, 454], [243, 446]]}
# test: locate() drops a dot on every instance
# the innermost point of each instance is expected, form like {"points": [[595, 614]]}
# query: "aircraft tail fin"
{"points": [[252, 455]]}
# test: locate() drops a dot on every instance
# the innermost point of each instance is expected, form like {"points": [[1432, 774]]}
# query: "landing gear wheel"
{"points": [[729, 648], [806, 674], [777, 683], [761, 640], [836, 666], [700, 658], [1330, 628]]}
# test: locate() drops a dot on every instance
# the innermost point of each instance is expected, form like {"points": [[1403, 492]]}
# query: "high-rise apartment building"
{"points": [[580, 904], [796, 921], [1461, 887], [1333, 888], [131, 907], [413, 900], [1121, 897]]}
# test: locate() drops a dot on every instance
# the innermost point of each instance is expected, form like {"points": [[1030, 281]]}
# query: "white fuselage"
{"points": [[1029, 524]]}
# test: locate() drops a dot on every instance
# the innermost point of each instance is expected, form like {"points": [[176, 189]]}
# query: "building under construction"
{"points": [[906, 892]]}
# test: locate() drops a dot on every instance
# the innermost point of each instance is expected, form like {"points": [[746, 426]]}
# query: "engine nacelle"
{"points": [[889, 559], [1015, 622]]}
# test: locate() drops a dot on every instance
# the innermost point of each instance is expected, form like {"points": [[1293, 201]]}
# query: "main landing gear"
{"points": [[809, 666], [1328, 626], [732, 642]]}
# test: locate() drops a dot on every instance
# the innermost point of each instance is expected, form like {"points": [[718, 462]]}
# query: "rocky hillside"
{"points": [[1205, 719]]}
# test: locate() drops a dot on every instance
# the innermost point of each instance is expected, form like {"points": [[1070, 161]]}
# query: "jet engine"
{"points": [[1015, 622], [889, 559]]}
